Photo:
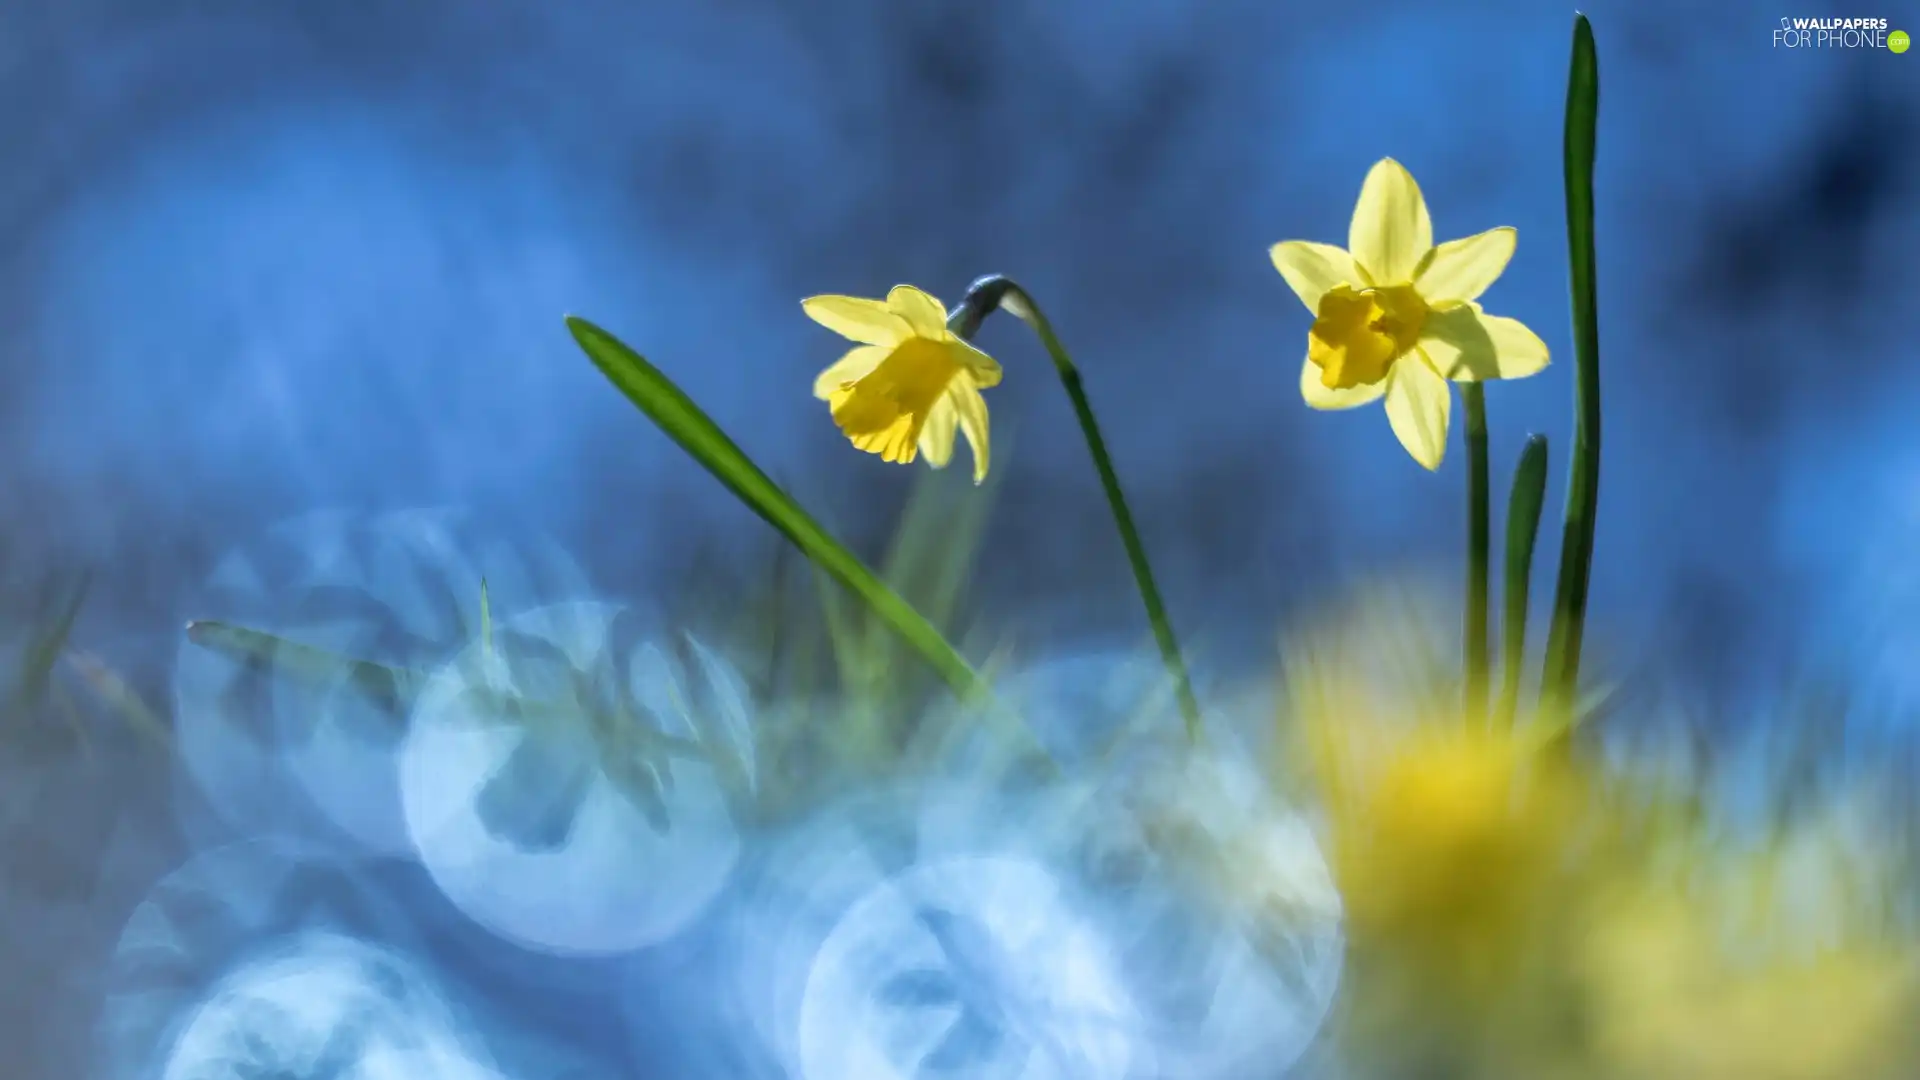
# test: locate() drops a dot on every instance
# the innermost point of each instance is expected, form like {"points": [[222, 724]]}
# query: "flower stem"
{"points": [[1561, 680], [1524, 503], [1479, 541], [993, 293]]}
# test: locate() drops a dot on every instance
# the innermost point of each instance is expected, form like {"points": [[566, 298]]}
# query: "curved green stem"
{"points": [[1479, 541], [1560, 685], [993, 293], [1524, 503]]}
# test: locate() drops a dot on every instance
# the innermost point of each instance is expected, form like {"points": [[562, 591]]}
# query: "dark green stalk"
{"points": [[1479, 541], [994, 292], [1562, 676], [1524, 503]]}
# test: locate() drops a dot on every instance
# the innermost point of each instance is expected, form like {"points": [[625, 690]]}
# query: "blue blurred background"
{"points": [[257, 258]]}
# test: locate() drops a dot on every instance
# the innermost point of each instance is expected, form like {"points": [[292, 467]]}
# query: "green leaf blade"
{"points": [[676, 415], [1525, 501], [1565, 637]]}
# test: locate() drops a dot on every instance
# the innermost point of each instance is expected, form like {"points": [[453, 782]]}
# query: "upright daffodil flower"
{"points": [[1395, 316], [910, 383]]}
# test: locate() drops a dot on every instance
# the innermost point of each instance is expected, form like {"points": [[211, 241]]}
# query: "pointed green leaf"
{"points": [[1565, 635], [1524, 503], [686, 424]]}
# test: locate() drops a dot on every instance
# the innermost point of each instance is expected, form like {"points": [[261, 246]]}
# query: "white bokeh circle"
{"points": [[230, 910], [572, 832], [796, 884], [979, 962], [324, 1005], [1238, 924]]}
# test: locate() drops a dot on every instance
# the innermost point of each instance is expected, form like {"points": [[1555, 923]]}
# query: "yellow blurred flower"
{"points": [[910, 383], [1445, 840], [1457, 852], [1395, 316], [1461, 850]]}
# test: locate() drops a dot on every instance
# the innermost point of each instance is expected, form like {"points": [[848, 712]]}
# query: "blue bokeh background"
{"points": [[260, 257]]}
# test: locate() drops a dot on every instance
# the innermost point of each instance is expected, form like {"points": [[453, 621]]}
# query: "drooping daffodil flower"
{"points": [[910, 383], [1396, 317]]}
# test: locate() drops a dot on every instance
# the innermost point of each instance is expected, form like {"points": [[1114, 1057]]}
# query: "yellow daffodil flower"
{"points": [[910, 383], [1396, 317]]}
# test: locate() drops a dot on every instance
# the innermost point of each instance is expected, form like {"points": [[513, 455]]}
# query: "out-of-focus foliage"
{"points": [[1773, 959], [839, 697], [58, 701], [1525, 906]]}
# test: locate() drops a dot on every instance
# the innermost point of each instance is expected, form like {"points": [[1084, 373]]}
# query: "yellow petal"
{"points": [[1419, 403], [923, 313], [1318, 396], [1391, 231], [1466, 344], [936, 435], [894, 443], [868, 322], [851, 368], [1462, 269], [972, 410], [1311, 269], [1518, 351], [984, 369]]}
